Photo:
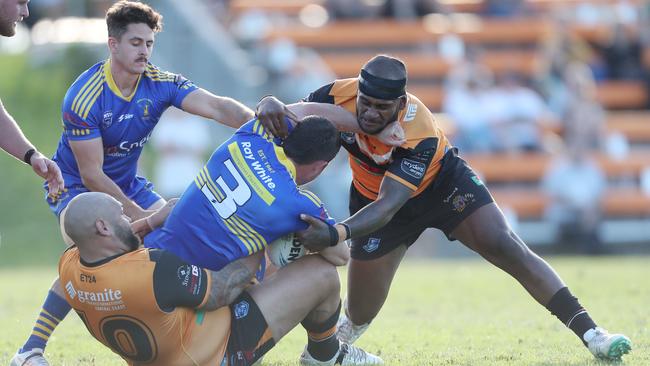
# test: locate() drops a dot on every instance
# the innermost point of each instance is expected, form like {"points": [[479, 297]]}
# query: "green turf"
{"points": [[439, 313]]}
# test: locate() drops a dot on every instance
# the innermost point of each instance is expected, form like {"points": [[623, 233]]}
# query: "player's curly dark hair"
{"points": [[313, 139], [124, 12]]}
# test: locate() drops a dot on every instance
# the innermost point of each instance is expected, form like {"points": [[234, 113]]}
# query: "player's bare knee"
{"points": [[505, 248], [330, 277]]}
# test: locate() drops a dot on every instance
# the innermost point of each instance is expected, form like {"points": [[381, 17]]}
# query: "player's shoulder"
{"points": [[308, 198], [416, 119], [86, 85], [156, 74], [345, 87]]}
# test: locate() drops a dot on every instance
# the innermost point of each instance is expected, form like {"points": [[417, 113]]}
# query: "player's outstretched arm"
{"points": [[224, 110], [148, 224], [231, 280], [272, 112], [13, 141]]}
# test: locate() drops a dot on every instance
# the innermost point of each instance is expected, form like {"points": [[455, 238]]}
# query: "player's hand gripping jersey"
{"points": [[139, 304], [414, 164], [94, 107], [244, 198]]}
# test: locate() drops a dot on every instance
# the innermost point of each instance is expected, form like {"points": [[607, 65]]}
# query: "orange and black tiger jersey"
{"points": [[415, 164], [141, 305]]}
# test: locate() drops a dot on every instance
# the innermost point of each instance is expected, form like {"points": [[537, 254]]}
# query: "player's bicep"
{"points": [[198, 103], [340, 117], [393, 194], [311, 205], [177, 283], [89, 154]]}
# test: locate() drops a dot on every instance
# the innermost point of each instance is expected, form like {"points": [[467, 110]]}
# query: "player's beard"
{"points": [[377, 130], [7, 28], [125, 234]]}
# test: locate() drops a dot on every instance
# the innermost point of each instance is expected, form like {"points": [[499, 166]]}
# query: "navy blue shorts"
{"points": [[452, 196]]}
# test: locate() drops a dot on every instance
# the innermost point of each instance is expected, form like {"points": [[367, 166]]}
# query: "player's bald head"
{"points": [[386, 67], [85, 210]]}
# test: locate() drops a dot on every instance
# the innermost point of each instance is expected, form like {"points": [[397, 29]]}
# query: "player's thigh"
{"points": [[369, 282], [286, 297], [250, 336]]}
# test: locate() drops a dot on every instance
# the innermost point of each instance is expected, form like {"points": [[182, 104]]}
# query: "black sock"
{"points": [[567, 308], [322, 342]]}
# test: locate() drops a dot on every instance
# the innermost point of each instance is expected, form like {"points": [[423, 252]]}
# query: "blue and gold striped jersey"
{"points": [[94, 107], [244, 198]]}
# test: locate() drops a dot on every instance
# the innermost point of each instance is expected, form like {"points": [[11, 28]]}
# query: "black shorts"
{"points": [[452, 196], [250, 336]]}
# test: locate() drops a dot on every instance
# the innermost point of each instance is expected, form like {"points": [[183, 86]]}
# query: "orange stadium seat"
{"points": [[390, 33], [530, 167], [622, 94], [635, 125], [612, 94], [429, 65], [288, 7], [529, 204]]}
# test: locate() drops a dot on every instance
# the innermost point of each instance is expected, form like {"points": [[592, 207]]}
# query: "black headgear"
{"points": [[380, 88]]}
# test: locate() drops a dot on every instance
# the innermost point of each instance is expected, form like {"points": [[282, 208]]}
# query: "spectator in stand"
{"points": [[575, 184], [584, 120], [352, 9], [622, 54], [561, 47], [504, 8], [515, 114], [465, 103], [411, 9]]}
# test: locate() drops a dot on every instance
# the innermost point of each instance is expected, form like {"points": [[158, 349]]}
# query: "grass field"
{"points": [[460, 312]]}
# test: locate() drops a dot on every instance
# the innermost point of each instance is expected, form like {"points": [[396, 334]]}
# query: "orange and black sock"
{"points": [[322, 341]]}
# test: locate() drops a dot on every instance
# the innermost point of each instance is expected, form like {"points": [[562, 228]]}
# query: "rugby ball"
{"points": [[285, 250]]}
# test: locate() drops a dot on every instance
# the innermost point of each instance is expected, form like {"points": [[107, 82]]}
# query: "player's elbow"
{"points": [[90, 177]]}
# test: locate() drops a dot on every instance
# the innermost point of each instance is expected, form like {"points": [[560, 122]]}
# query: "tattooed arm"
{"points": [[231, 280]]}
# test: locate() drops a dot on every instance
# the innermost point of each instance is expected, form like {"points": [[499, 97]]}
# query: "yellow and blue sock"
{"points": [[54, 310]]}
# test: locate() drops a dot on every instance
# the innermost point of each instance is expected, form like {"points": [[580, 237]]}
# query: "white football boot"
{"points": [[348, 332], [607, 346], [347, 355], [33, 357]]}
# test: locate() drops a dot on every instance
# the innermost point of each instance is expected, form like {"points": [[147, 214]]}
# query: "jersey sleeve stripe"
{"points": [[312, 197], [401, 180], [87, 86], [213, 186], [92, 100], [258, 238], [208, 279], [237, 234], [78, 109], [246, 234]]}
